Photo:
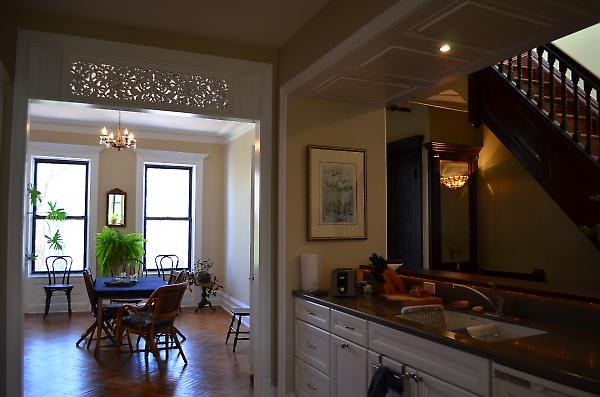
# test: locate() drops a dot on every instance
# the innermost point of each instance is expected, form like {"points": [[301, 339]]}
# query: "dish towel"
{"points": [[383, 381]]}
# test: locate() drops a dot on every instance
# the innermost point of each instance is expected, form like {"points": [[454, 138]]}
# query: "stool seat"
{"points": [[238, 312]]}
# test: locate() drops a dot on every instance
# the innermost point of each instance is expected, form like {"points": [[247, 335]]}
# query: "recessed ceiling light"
{"points": [[445, 48]]}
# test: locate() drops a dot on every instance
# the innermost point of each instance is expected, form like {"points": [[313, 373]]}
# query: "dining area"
{"points": [[135, 337]]}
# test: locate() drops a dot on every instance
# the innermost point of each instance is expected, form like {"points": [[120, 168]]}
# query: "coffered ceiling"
{"points": [[401, 57]]}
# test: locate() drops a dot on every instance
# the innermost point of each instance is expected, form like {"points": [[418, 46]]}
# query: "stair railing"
{"points": [[573, 78]]}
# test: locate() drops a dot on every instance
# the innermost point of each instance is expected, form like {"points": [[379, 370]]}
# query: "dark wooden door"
{"points": [[404, 201]]}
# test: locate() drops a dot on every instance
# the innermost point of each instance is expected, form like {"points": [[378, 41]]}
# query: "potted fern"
{"points": [[114, 250]]}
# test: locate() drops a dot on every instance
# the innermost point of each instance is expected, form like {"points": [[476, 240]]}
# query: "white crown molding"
{"points": [[224, 136]]}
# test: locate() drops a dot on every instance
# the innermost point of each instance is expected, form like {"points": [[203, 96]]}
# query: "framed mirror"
{"points": [[453, 206], [115, 208]]}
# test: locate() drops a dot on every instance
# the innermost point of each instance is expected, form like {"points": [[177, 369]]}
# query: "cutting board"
{"points": [[408, 300]]}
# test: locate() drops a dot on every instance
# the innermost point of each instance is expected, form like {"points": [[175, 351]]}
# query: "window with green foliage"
{"points": [[59, 211]]}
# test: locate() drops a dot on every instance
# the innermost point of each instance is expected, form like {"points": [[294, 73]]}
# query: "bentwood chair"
{"points": [[153, 320], [58, 265], [164, 262], [109, 312]]}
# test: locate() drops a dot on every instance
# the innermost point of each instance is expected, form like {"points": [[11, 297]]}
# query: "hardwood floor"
{"points": [[54, 366]]}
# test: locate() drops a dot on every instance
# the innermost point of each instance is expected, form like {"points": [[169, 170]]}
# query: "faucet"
{"points": [[498, 306]]}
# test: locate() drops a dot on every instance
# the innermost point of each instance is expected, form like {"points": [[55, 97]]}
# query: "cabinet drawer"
{"points": [[312, 346], [462, 369], [309, 381], [349, 327], [312, 313]]}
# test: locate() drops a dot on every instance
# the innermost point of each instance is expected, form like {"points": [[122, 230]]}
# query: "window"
{"points": [[63, 183], [168, 213]]}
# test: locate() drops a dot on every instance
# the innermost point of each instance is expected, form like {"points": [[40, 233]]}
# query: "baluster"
{"points": [[587, 88], [575, 79], [529, 73], [519, 70], [509, 72], [551, 112], [540, 59], [500, 67], [563, 94]]}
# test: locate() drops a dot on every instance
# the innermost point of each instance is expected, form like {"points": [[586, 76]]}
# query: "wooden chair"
{"points": [[153, 320], [166, 261], [109, 312], [238, 312], [53, 266]]}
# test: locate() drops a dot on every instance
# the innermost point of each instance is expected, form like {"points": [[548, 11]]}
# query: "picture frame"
{"points": [[337, 193]]}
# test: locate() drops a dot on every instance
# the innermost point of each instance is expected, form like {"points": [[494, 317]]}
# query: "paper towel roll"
{"points": [[309, 272]]}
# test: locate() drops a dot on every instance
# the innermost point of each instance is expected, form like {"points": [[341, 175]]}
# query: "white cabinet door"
{"points": [[430, 386], [410, 387], [348, 368], [309, 381], [312, 346]]}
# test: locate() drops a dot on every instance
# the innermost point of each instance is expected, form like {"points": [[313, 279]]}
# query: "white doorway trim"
{"points": [[42, 72]]}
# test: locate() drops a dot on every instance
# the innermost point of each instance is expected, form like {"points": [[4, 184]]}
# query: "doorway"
{"points": [[45, 65]]}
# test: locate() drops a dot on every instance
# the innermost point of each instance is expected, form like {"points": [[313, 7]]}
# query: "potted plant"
{"points": [[114, 249]]}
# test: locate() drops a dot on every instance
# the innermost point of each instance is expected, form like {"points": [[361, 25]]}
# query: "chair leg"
{"points": [[69, 301], [89, 342], [183, 338], [129, 343], [230, 327], [48, 299], [237, 333], [174, 336], [87, 332]]}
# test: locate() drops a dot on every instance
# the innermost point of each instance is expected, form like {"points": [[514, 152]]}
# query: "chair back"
{"points": [[166, 261], [167, 301], [61, 265], [181, 277], [134, 266], [89, 287]]}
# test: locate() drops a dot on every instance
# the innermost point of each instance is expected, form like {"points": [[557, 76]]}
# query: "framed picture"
{"points": [[337, 193]]}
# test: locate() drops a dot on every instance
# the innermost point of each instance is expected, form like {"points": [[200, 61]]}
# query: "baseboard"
{"points": [[229, 302]]}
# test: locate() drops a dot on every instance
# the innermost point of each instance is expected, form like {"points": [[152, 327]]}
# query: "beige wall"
{"points": [[328, 123], [522, 228], [400, 125], [452, 127], [238, 160], [580, 45]]}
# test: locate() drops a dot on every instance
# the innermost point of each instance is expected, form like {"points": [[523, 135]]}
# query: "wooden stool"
{"points": [[239, 312]]}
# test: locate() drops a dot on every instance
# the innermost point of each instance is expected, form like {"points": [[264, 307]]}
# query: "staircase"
{"points": [[543, 106]]}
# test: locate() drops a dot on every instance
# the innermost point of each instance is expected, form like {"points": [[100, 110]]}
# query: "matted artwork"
{"points": [[336, 193]]}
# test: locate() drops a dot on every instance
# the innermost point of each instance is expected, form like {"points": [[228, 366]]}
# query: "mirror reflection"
{"points": [[115, 212]]}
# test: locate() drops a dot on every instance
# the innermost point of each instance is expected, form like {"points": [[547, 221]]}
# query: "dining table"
{"points": [[106, 289]]}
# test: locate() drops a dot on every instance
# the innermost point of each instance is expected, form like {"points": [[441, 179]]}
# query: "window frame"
{"points": [[189, 218], [34, 215]]}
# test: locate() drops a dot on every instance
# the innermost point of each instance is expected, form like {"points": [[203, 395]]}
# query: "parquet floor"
{"points": [[55, 367]]}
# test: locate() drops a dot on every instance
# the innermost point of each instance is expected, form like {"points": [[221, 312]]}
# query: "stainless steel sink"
{"points": [[476, 327]]}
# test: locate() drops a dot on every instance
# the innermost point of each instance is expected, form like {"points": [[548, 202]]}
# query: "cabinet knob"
{"points": [[312, 314], [311, 345], [348, 327], [415, 377], [311, 386], [345, 345]]}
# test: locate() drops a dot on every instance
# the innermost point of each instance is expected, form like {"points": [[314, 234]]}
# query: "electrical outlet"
{"points": [[429, 287]]}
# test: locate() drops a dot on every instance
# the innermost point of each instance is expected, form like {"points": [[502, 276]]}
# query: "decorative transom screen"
{"points": [[102, 80]]}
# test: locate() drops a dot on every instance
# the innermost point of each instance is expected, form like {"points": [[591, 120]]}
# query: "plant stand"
{"points": [[206, 292]]}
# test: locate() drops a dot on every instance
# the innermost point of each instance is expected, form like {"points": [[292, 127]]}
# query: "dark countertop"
{"points": [[565, 356]]}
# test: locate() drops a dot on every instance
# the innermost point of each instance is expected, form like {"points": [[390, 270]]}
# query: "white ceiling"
{"points": [[152, 124], [264, 23], [398, 61]]}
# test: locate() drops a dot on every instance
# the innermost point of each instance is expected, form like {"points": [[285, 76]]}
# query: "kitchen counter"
{"points": [[562, 355]]}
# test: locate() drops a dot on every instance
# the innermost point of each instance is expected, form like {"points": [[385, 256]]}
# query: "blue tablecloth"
{"points": [[142, 289]]}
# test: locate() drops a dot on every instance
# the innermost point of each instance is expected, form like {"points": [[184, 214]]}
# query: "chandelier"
{"points": [[125, 140], [454, 182]]}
